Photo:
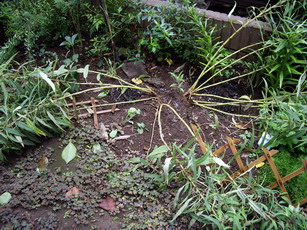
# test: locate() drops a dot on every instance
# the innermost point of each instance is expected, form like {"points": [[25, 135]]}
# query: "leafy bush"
{"points": [[30, 106], [285, 61], [209, 202], [37, 21], [285, 121]]}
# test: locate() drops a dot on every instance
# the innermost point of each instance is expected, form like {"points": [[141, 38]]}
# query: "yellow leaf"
{"points": [[259, 165], [136, 81], [169, 61]]}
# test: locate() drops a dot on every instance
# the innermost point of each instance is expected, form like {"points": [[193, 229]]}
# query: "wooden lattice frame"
{"points": [[231, 143]]}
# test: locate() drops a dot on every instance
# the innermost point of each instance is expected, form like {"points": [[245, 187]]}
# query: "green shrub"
{"points": [[285, 121], [37, 22], [285, 61]]}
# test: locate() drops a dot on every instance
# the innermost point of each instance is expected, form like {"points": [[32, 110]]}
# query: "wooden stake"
{"points": [[98, 112], [234, 151], [75, 108], [199, 139], [96, 125], [80, 103]]}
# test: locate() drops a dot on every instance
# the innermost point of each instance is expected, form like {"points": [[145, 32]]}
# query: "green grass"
{"points": [[286, 164]]}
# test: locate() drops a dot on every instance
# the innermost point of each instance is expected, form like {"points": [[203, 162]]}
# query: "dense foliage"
{"points": [[30, 106]]}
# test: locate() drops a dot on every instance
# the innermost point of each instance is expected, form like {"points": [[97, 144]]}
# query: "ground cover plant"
{"points": [[141, 167]]}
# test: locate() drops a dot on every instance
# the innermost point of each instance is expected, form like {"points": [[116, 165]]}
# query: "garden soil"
{"points": [[75, 195]]}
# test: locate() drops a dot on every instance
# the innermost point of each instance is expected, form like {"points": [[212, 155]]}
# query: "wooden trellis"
{"points": [[280, 181], [89, 104]]}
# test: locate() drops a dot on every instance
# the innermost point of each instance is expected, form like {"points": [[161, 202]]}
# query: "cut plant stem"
{"points": [[220, 111]]}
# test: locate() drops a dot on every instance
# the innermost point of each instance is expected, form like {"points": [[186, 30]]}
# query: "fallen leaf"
{"points": [[42, 164], [220, 162], [69, 153], [122, 137], [179, 69], [71, 192], [242, 125], [102, 94], [108, 204], [113, 133], [136, 81], [97, 148], [5, 198], [259, 165], [104, 132]]}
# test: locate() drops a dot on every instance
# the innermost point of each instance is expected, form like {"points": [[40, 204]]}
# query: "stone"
{"points": [[154, 81], [134, 69]]}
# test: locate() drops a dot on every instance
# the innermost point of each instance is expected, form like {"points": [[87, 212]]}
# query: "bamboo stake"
{"points": [[199, 138], [235, 152], [99, 112], [95, 117]]}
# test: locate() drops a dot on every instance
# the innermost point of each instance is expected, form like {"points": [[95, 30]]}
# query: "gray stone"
{"points": [[134, 69], [154, 81]]}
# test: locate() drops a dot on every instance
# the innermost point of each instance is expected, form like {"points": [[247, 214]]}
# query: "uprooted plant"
{"points": [[30, 107]]}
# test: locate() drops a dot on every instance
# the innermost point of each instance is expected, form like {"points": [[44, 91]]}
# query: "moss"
{"points": [[286, 164]]}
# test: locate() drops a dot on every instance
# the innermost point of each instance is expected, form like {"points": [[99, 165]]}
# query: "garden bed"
{"points": [[119, 134]]}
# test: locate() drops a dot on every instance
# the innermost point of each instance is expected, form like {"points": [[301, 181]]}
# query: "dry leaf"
{"points": [[136, 81], [242, 125], [179, 69], [43, 163], [122, 137], [108, 204], [169, 61], [71, 192], [104, 132], [259, 165]]}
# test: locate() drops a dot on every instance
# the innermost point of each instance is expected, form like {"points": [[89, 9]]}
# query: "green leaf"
{"points": [[15, 132], [181, 210], [5, 93], [54, 120], [69, 153], [35, 129], [19, 139], [85, 71], [257, 209], [157, 151], [47, 79], [177, 196], [96, 148], [166, 168], [113, 133], [5, 198], [102, 94]]}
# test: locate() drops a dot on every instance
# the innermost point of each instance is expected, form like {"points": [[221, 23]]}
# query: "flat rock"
{"points": [[134, 69], [154, 81]]}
